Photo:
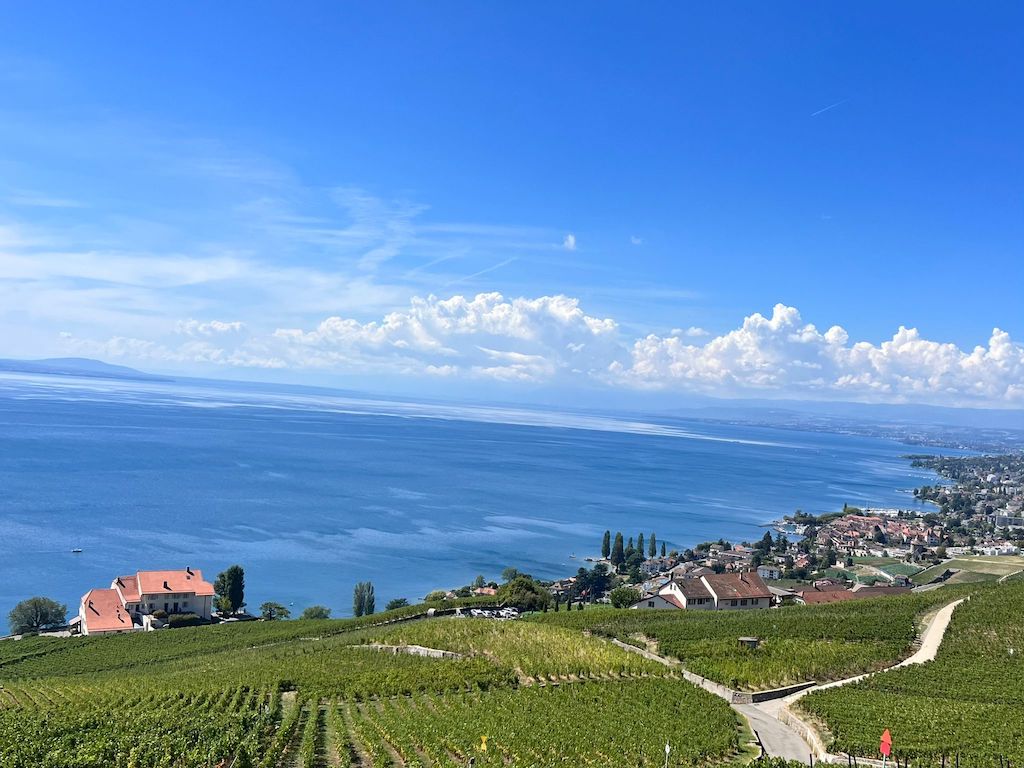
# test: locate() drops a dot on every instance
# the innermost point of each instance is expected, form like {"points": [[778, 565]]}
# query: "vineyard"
{"points": [[552, 690], [570, 724], [305, 694], [822, 642], [532, 650], [969, 701]]}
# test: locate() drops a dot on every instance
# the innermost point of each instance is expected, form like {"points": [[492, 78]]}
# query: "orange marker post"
{"points": [[885, 747]]}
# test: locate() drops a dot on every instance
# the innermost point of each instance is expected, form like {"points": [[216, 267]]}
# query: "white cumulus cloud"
{"points": [[210, 328], [569, 242], [782, 355], [552, 339]]}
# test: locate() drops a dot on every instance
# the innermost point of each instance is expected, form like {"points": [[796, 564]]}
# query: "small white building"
{"points": [[770, 572]]}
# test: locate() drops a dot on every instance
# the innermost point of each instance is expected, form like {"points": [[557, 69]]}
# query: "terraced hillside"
{"points": [[283, 694], [969, 701], [550, 690], [798, 644]]}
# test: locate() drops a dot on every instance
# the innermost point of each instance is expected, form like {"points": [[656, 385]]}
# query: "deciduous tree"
{"points": [[271, 611], [35, 614], [623, 597], [317, 612], [230, 589]]}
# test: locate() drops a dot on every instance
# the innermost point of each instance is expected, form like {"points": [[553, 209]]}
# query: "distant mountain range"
{"points": [[77, 366]]}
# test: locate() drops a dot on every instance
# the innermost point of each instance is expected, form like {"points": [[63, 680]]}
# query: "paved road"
{"points": [[779, 740]]}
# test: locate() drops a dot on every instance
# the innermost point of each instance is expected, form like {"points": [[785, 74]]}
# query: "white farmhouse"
{"points": [[130, 599]]}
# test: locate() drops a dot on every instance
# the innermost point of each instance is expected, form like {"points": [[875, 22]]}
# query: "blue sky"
{"points": [[251, 192]]}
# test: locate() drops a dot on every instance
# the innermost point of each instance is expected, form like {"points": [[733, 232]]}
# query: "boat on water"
{"points": [[76, 551]]}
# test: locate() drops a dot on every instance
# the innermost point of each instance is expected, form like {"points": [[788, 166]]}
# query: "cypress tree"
{"points": [[652, 550], [606, 545], [640, 543], [618, 555], [663, 549], [364, 599]]}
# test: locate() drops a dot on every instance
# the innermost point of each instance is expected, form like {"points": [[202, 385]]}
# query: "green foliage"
{"points": [[967, 702], [398, 602], [799, 643], [318, 612], [618, 551], [178, 620], [363, 599], [606, 544], [623, 597], [242, 759], [271, 611], [592, 724], [536, 650], [525, 594], [230, 589], [35, 614], [652, 548]]}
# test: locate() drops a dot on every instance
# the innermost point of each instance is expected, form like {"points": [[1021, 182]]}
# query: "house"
{"points": [[131, 600], [781, 596], [485, 591], [690, 594], [859, 592], [655, 565], [738, 591], [658, 602], [999, 549], [770, 572], [182, 591], [816, 597], [713, 592], [102, 613]]}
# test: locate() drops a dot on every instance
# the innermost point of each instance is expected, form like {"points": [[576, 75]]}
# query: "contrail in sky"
{"points": [[830, 106]]}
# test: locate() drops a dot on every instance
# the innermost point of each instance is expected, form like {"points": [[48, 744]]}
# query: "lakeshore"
{"points": [[314, 495]]}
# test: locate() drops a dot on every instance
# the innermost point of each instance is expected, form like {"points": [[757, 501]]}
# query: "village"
{"points": [[975, 533]]}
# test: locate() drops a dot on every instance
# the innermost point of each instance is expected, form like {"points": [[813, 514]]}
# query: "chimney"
{"points": [[167, 586], [188, 570]]}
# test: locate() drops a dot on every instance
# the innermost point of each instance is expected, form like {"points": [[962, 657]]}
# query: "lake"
{"points": [[311, 492]]}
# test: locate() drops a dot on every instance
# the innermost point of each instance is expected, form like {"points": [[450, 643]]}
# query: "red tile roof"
{"points": [[729, 586], [103, 611], [128, 586], [163, 582], [814, 597], [693, 589]]}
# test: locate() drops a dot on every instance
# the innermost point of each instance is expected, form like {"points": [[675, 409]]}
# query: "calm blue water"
{"points": [[311, 493]]}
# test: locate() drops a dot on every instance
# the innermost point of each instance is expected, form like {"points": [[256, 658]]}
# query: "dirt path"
{"points": [[931, 639], [779, 738]]}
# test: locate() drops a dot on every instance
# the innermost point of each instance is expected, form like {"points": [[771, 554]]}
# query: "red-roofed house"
{"points": [[103, 613], [712, 592], [175, 592], [122, 607]]}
